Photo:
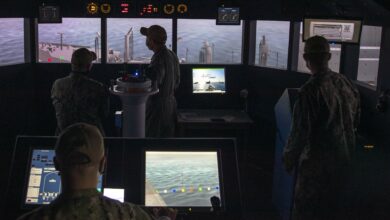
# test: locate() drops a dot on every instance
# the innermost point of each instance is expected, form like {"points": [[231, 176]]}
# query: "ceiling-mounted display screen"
{"points": [[49, 14], [228, 16], [334, 30]]}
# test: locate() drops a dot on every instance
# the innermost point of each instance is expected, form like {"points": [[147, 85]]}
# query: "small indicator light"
{"points": [[105, 8], [369, 146], [92, 8]]}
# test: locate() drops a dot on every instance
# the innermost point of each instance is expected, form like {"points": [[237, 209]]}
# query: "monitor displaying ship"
{"points": [[208, 80]]}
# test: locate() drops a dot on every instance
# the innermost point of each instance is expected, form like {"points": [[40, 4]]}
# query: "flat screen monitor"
{"points": [[334, 30], [44, 183], [115, 193], [208, 80], [49, 14], [181, 178], [228, 16]]}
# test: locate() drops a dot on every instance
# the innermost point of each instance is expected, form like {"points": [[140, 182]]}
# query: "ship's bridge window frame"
{"points": [[204, 50], [254, 48], [52, 47], [112, 53], [299, 64], [23, 41], [370, 48]]}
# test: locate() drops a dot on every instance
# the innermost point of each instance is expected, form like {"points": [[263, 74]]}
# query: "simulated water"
{"points": [[226, 41], [216, 86], [190, 172], [11, 41]]}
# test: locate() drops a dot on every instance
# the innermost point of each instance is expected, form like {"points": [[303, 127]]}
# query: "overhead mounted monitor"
{"points": [[334, 30], [228, 16], [44, 183], [208, 80], [181, 178], [49, 14]]}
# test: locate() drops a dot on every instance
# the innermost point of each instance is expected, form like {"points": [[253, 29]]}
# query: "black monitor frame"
{"points": [[19, 173], [189, 149], [125, 169], [340, 19], [56, 20], [219, 22], [208, 93]]}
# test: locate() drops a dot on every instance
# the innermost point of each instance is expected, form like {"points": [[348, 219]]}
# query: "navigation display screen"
{"points": [[208, 80], [181, 179], [44, 183], [346, 31]]}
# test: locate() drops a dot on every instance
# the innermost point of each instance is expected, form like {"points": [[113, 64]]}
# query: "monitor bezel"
{"points": [[31, 148], [208, 93], [187, 149], [57, 21], [123, 169], [218, 22], [341, 19]]}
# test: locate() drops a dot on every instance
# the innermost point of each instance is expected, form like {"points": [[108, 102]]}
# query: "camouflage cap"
{"points": [[80, 143], [316, 44], [155, 32], [82, 57]]}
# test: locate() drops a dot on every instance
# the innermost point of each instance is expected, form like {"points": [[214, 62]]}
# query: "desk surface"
{"points": [[213, 116]]}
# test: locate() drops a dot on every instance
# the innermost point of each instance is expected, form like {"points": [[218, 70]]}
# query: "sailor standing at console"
{"points": [[164, 71], [78, 98]]}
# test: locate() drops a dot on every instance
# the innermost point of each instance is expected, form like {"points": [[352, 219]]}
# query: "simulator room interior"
{"points": [[236, 73]]}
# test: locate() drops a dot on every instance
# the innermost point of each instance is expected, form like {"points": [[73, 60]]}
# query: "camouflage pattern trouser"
{"points": [[320, 193]]}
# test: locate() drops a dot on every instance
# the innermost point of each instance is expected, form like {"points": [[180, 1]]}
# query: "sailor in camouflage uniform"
{"points": [[78, 98], [164, 70], [80, 160], [322, 139]]}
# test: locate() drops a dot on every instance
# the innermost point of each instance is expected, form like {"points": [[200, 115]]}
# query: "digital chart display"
{"points": [[44, 183]]}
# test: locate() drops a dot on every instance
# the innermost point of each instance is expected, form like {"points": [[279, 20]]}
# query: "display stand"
{"points": [[133, 104]]}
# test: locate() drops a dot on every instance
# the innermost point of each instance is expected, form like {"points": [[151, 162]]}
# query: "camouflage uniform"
{"points": [[322, 144], [77, 98], [87, 204], [161, 108]]}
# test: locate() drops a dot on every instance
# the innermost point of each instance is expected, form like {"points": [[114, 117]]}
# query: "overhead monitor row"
{"points": [[199, 41]]}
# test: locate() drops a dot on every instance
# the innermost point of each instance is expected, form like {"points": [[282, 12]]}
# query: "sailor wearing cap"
{"points": [[322, 139], [77, 97], [80, 160], [164, 71]]}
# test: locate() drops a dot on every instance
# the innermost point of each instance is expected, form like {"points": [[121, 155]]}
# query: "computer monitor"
{"points": [[228, 16], [49, 14], [208, 80], [115, 193], [334, 30], [181, 178], [44, 183]]}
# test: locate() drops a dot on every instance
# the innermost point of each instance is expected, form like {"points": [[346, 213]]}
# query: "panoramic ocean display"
{"points": [[225, 42]]}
